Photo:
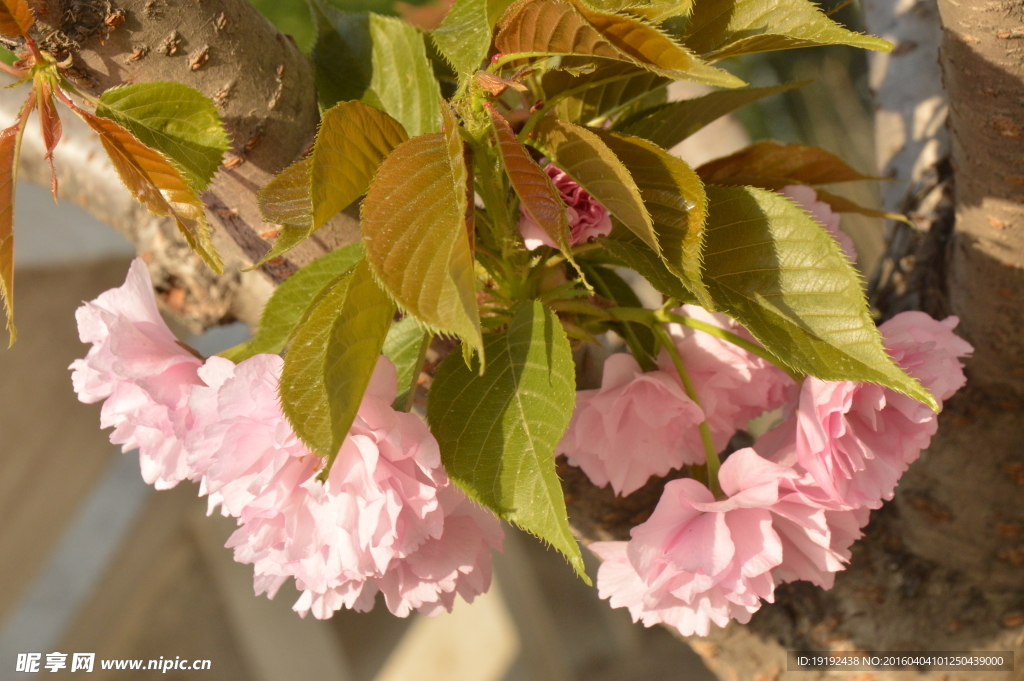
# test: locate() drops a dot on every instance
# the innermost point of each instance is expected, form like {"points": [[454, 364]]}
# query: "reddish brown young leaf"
{"points": [[773, 165], [10, 139], [156, 183], [550, 27], [535, 189], [15, 18], [49, 122], [8, 145]]}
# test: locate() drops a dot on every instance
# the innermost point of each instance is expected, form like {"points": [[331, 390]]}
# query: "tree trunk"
{"points": [[263, 86]]}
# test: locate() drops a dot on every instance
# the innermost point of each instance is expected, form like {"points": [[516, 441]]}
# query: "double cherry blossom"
{"points": [[791, 506], [388, 520]]}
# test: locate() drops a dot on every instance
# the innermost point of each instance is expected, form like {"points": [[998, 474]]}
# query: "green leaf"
{"points": [[379, 60], [588, 160], [635, 254], [773, 165], [415, 233], [536, 192], [174, 119], [8, 180], [288, 238], [541, 28], [157, 183], [729, 28], [669, 124], [353, 140], [600, 93], [675, 199], [464, 37], [406, 346], [779, 273], [327, 369], [292, 301], [498, 430]]}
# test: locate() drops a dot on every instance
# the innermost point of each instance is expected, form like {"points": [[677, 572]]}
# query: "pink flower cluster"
{"points": [[588, 219], [641, 424], [387, 519], [791, 506]]}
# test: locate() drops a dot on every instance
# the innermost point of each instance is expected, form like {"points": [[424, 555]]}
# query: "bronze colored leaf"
{"points": [[8, 176], [773, 165], [415, 236], [156, 183], [16, 18], [541, 27], [606, 90], [532, 185]]}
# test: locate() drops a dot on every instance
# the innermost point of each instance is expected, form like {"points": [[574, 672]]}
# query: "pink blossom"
{"points": [[822, 213], [377, 521], [815, 530], [141, 371], [857, 439], [635, 426], [698, 560], [733, 385], [588, 219]]}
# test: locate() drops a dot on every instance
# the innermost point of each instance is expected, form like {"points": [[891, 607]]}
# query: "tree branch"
{"points": [[263, 86]]}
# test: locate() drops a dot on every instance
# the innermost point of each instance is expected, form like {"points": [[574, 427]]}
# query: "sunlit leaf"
{"points": [[414, 232], [557, 27], [602, 92], [674, 197], [549, 27], [777, 271], [727, 28], [176, 120], [329, 365], [353, 139], [650, 47], [293, 300], [655, 10], [498, 431], [15, 18], [533, 186], [669, 124], [286, 199], [157, 183], [406, 346], [773, 165], [379, 60], [464, 37], [8, 178], [589, 161]]}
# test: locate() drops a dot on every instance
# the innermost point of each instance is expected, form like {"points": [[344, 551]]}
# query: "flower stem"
{"points": [[710, 453], [752, 348]]}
